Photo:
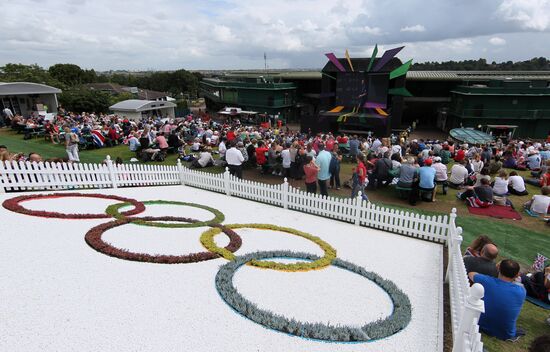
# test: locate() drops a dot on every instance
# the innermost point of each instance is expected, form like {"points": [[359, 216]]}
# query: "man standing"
{"points": [[8, 116], [323, 161], [71, 145], [484, 264], [503, 301], [234, 159], [353, 147]]}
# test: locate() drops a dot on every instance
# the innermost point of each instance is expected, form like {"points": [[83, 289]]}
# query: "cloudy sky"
{"points": [[234, 34]]}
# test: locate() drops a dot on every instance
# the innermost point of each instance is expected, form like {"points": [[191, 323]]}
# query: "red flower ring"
{"points": [[94, 240], [14, 205]]}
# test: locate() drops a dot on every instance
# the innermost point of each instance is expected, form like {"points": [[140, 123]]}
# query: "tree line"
{"points": [[71, 79], [535, 64]]}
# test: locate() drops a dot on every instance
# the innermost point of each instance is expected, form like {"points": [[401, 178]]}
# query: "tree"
{"points": [[82, 99], [69, 74], [28, 73]]}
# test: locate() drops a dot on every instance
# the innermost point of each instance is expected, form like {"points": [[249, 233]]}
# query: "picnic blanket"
{"points": [[538, 302], [496, 211]]}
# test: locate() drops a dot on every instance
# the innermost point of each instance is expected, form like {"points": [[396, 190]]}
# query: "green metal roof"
{"points": [[477, 75], [411, 75], [214, 82], [471, 136]]}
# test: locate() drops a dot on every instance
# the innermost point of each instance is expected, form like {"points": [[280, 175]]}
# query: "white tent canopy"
{"points": [[25, 88], [135, 105], [134, 108]]}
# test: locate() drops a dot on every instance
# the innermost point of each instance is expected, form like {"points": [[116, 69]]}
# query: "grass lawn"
{"points": [[520, 240]]}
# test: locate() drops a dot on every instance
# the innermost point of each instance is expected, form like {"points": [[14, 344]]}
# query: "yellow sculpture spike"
{"points": [[349, 61]]}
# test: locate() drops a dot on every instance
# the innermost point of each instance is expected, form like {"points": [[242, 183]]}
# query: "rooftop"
{"points": [[135, 105], [25, 88], [411, 75]]}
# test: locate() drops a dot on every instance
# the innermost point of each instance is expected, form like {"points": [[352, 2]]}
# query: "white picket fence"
{"points": [[466, 303]]}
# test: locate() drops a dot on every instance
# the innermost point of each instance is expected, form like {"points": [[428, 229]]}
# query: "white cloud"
{"points": [[528, 14], [416, 28], [367, 30], [130, 34], [497, 41]]}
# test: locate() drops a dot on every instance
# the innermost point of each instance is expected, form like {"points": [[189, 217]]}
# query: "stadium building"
{"points": [[442, 99]]}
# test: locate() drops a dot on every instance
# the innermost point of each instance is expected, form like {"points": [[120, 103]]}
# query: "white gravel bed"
{"points": [[58, 294]]}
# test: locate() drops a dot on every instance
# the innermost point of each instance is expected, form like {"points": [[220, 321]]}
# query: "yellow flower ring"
{"points": [[207, 240], [114, 211]]}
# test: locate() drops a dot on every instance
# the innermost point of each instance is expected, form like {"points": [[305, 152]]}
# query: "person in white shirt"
{"points": [[285, 154], [196, 146], [440, 173], [459, 173], [235, 159], [205, 159], [516, 185], [540, 203], [477, 164], [395, 149], [222, 149], [500, 187]]}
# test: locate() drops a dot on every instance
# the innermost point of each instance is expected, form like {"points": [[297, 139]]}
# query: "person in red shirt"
{"points": [[460, 154], [329, 145], [359, 178], [230, 136], [260, 157], [311, 170]]}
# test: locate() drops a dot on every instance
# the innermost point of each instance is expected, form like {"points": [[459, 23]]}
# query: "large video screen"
{"points": [[377, 88], [349, 86]]}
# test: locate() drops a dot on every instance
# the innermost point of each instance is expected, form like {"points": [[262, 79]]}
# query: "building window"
{"points": [[514, 102]]}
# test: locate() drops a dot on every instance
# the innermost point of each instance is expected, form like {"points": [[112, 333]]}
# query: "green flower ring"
{"points": [[381, 328], [207, 240], [114, 211]]}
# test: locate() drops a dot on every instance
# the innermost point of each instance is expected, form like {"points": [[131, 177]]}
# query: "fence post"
{"points": [[473, 307], [456, 242], [358, 201], [3, 179], [112, 173], [285, 193], [452, 225], [181, 172], [226, 178]]}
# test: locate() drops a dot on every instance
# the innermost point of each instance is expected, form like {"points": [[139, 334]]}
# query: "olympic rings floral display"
{"points": [[368, 331]]}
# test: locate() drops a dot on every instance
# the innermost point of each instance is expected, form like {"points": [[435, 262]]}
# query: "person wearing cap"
{"points": [[426, 175], [440, 173], [461, 153]]}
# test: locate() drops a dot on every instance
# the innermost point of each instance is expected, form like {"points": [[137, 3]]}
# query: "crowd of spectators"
{"points": [[505, 288], [483, 174]]}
